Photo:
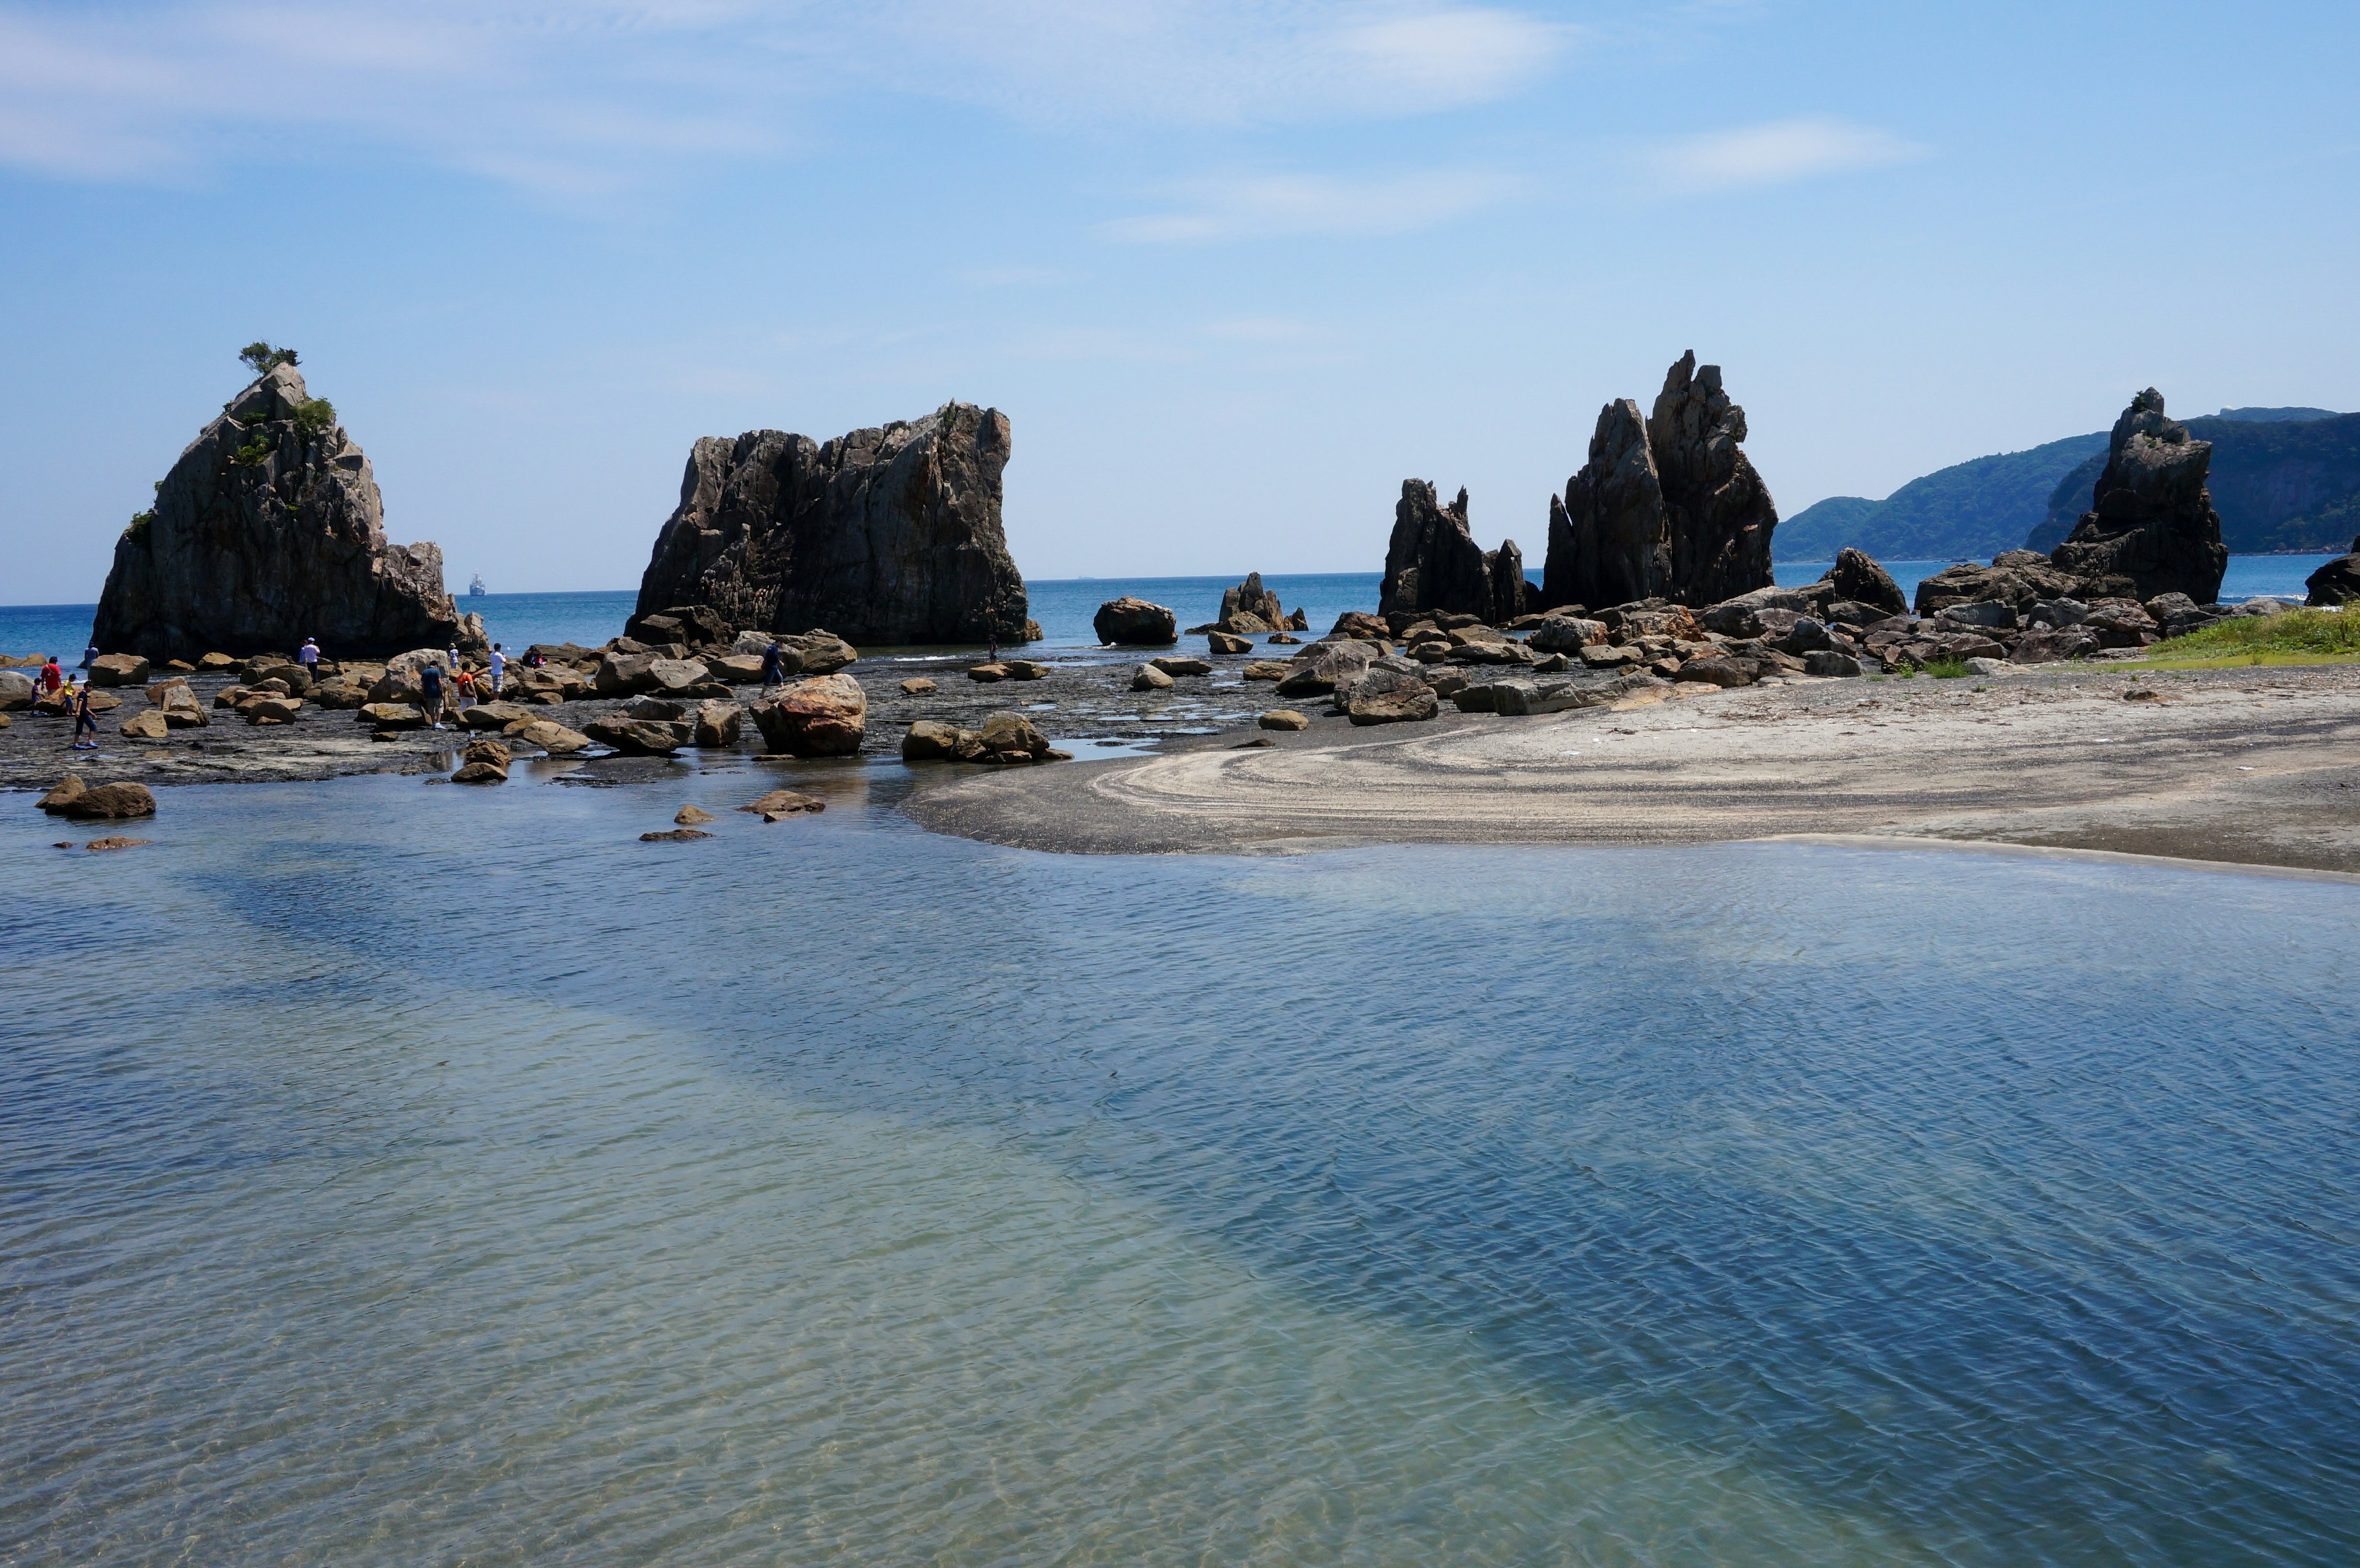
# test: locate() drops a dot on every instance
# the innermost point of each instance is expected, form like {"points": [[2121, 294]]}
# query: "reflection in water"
{"points": [[407, 1174]]}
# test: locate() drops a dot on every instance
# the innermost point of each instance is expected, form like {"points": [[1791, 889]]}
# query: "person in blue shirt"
{"points": [[430, 688], [90, 656]]}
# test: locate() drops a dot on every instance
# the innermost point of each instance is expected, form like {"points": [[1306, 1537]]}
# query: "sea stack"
{"points": [[1667, 508], [1432, 562], [2151, 527], [888, 536], [268, 530]]}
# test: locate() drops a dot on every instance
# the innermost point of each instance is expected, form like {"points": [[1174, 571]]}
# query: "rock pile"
{"points": [[1665, 508], [892, 535], [268, 529]]}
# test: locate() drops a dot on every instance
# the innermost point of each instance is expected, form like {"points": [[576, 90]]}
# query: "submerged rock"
{"points": [[891, 535], [268, 529], [106, 801]]}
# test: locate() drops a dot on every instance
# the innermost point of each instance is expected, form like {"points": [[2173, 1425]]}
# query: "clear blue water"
{"points": [[401, 1173]]}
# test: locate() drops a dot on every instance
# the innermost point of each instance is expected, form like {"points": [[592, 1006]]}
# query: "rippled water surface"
{"points": [[393, 1174]]}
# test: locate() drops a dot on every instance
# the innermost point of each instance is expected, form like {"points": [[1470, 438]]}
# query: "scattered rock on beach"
{"points": [[118, 670], [1387, 697], [636, 737], [553, 737], [1182, 666], [916, 686], [149, 726], [1226, 642], [1147, 678], [65, 790], [987, 674], [1285, 719], [930, 740]]}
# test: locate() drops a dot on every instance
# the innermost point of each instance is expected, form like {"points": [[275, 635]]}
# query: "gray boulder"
{"points": [[1387, 697], [1325, 665], [2337, 583], [268, 529], [891, 535]]}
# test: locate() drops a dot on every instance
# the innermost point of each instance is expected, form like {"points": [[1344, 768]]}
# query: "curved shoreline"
{"points": [[2247, 767]]}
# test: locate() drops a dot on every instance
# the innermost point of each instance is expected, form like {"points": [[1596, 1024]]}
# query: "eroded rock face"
{"points": [[889, 535], [1250, 607], [1131, 621], [1667, 508], [269, 530], [2151, 527], [1432, 562], [1855, 576], [2337, 583]]}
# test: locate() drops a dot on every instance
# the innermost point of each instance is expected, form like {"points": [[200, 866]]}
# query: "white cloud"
{"points": [[601, 92], [1275, 205], [1778, 154]]}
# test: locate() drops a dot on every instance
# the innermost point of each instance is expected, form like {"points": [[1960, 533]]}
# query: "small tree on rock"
{"points": [[259, 357]]}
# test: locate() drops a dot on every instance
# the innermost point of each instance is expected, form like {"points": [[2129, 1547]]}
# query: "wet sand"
{"points": [[2242, 766]]}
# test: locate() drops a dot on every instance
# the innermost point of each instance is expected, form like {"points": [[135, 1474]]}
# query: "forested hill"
{"points": [[2281, 485]]}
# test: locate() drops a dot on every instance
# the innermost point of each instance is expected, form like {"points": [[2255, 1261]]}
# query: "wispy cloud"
{"points": [[603, 92], [1275, 205], [1778, 154]]}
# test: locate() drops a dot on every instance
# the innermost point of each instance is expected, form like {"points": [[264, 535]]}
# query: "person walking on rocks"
{"points": [[773, 665], [90, 656], [499, 668], [84, 720], [52, 676], [308, 656], [430, 691]]}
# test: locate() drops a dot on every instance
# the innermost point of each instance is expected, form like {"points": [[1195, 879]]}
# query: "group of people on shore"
{"points": [[460, 690]]}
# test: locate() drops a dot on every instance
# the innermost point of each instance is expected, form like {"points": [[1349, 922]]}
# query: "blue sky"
{"points": [[1234, 270]]}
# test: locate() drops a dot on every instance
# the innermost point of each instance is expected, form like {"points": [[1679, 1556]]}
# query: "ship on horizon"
{"points": [[475, 588]]}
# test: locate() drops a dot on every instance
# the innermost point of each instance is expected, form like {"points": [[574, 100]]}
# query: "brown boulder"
{"points": [[553, 737], [110, 800], [823, 717], [149, 726], [118, 670], [636, 737], [63, 794], [1388, 697], [677, 835], [781, 804], [1283, 719]]}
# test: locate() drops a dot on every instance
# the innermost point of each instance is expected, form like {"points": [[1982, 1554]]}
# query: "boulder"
{"points": [[1007, 733], [216, 663], [1325, 665], [1268, 669], [107, 802], [118, 670], [691, 626], [2056, 613], [1177, 665], [2151, 527], [2336, 583], [1718, 670], [1249, 602], [1360, 626], [779, 803], [1130, 622], [1857, 578], [916, 686], [1225, 642], [1669, 507], [391, 715], [64, 791], [636, 737], [270, 710], [1283, 719], [18, 691], [2019, 584], [1432, 561], [930, 740], [1989, 613], [735, 669], [1830, 663], [891, 535], [674, 835], [2053, 646], [494, 715], [1388, 697], [717, 724], [1602, 656], [553, 737], [149, 726], [475, 770], [1149, 679], [340, 694], [2121, 626], [270, 528], [692, 816], [825, 716], [1567, 634], [1026, 669], [988, 673]]}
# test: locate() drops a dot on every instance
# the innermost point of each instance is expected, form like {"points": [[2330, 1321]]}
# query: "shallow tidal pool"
{"points": [[393, 1174]]}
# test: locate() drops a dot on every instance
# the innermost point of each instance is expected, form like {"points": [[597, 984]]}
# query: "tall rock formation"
{"points": [[269, 530], [1433, 563], [888, 536], [2151, 527], [1669, 508]]}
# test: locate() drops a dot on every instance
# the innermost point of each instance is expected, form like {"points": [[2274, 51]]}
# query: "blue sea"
{"points": [[1063, 608], [402, 1174]]}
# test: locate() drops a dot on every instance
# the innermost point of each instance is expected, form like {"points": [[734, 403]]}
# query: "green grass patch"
{"points": [[2295, 637], [1946, 668]]}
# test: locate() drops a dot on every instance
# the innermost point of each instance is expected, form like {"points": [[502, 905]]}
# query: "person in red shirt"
{"points": [[52, 676]]}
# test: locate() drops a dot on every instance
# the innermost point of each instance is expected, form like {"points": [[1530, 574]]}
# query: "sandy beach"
{"points": [[2247, 766]]}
